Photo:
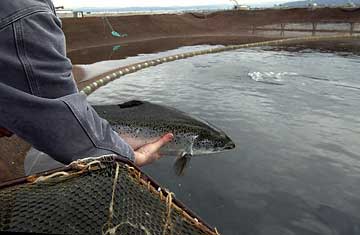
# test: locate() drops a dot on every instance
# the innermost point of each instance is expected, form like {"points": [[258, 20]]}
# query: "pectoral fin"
{"points": [[183, 160], [181, 163]]}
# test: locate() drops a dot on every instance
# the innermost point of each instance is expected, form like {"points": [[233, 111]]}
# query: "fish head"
{"points": [[206, 140], [211, 140], [212, 144]]}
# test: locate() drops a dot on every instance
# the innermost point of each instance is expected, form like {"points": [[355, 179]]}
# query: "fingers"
{"points": [[162, 141], [150, 152]]}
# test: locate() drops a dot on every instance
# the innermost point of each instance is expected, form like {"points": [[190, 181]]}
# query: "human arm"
{"points": [[50, 133], [38, 96], [39, 101], [66, 128]]}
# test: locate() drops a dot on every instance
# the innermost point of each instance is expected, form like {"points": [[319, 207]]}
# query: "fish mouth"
{"points": [[229, 145]]}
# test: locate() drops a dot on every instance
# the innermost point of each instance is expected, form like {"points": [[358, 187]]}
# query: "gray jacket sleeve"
{"points": [[39, 100], [66, 128]]}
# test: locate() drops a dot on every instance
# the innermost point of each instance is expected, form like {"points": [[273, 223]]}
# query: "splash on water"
{"points": [[274, 78]]}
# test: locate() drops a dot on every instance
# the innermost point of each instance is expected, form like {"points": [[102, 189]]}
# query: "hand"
{"points": [[4, 132], [149, 153]]}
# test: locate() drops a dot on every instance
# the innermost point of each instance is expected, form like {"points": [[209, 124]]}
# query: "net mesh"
{"points": [[105, 196]]}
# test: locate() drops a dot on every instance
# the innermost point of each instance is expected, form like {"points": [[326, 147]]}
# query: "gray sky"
{"points": [[146, 3]]}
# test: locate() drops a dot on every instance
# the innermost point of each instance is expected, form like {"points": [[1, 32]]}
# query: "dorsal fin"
{"points": [[130, 104]]}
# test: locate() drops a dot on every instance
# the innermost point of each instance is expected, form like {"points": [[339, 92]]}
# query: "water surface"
{"points": [[295, 119]]}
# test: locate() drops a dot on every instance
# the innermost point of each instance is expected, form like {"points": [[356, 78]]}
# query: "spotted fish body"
{"points": [[141, 122]]}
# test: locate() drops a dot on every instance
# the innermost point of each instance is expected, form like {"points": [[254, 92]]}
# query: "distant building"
{"points": [[350, 4], [241, 7], [78, 14], [69, 13], [312, 4], [237, 6]]}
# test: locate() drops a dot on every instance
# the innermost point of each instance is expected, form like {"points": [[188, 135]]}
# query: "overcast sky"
{"points": [[142, 3]]}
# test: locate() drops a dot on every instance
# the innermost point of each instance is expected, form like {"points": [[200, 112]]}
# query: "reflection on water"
{"points": [[296, 168], [101, 53]]}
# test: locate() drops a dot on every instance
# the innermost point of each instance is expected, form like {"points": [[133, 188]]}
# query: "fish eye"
{"points": [[219, 144]]}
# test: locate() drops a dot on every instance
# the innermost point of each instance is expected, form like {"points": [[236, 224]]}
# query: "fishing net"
{"points": [[102, 196]]}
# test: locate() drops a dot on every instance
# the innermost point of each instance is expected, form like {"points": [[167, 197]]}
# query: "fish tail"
{"points": [[181, 163]]}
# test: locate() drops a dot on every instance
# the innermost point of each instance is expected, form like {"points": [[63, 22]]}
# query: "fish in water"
{"points": [[141, 122]]}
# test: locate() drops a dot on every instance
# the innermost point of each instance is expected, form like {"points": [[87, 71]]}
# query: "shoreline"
{"points": [[87, 32]]}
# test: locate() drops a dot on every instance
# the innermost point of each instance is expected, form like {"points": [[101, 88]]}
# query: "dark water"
{"points": [[295, 117]]}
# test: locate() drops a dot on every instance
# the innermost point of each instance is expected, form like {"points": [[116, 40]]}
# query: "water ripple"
{"points": [[297, 137]]}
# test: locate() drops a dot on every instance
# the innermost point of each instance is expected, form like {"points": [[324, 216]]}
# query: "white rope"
{"points": [[80, 164], [45, 178], [111, 207], [168, 224], [111, 230]]}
